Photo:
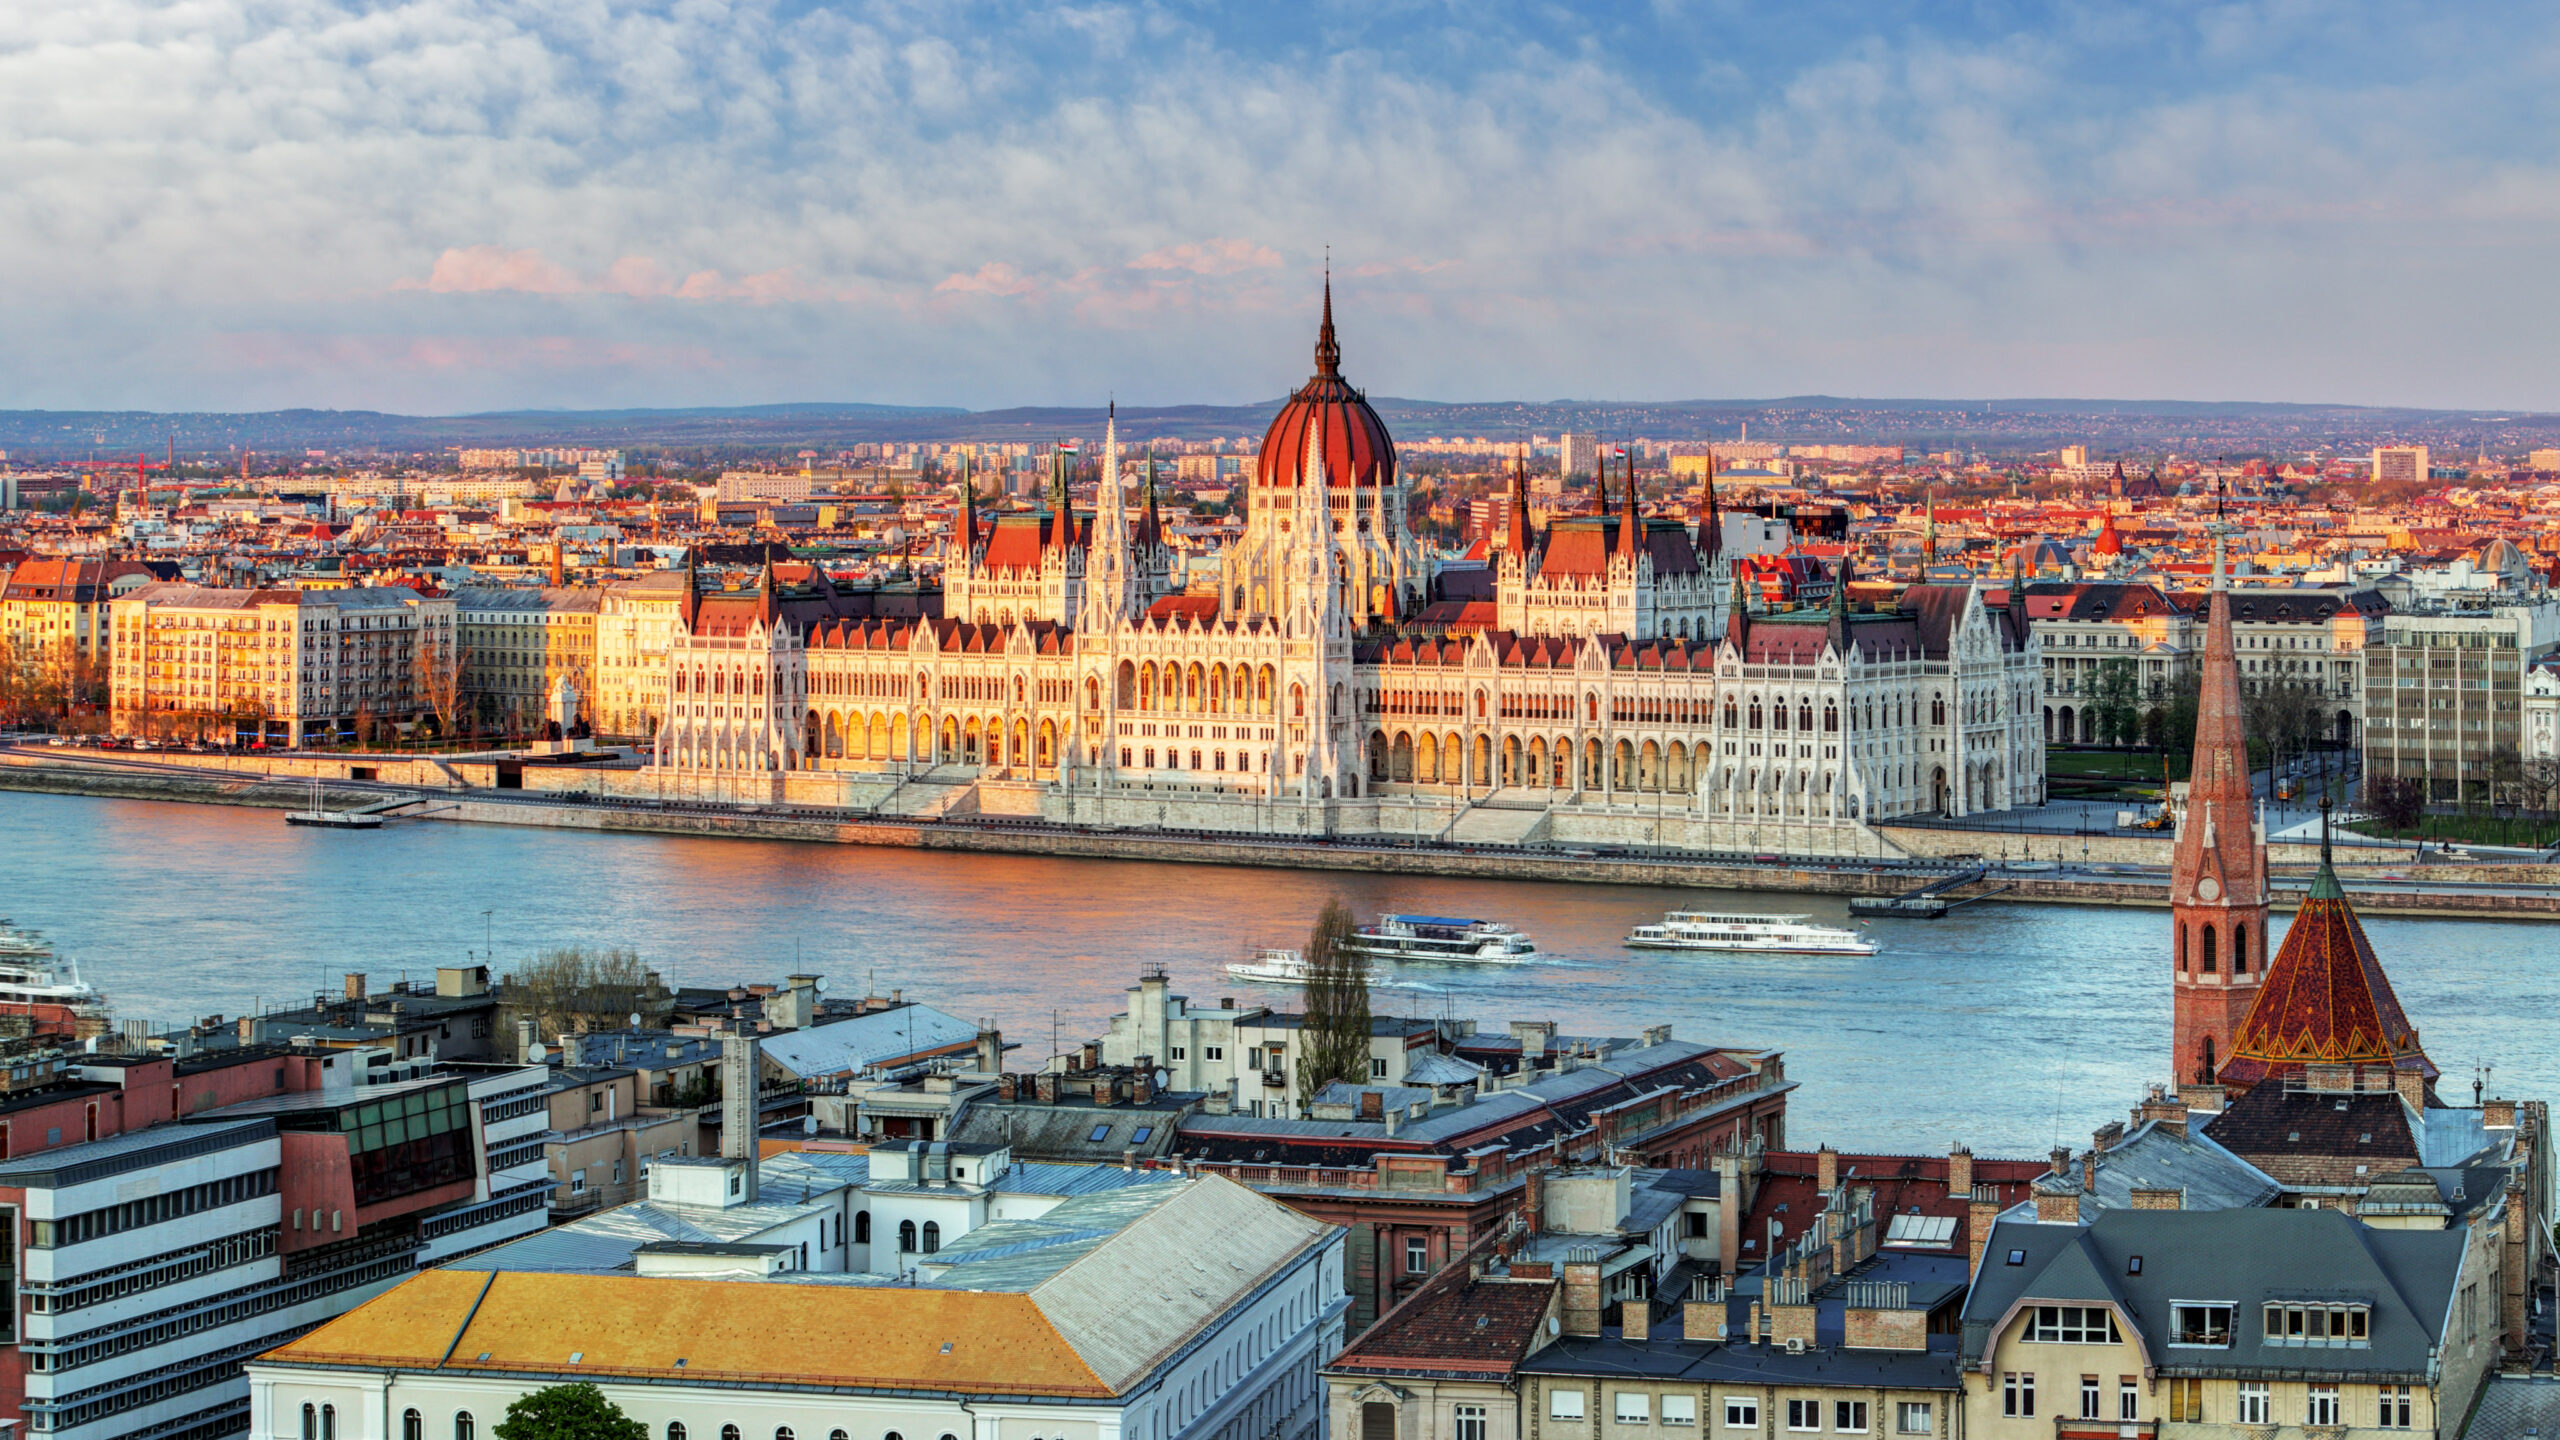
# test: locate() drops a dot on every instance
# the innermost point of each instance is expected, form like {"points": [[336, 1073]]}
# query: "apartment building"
{"points": [[53, 610], [274, 665], [517, 644], [2227, 1323], [635, 623], [2445, 696], [1164, 1311], [175, 1216]]}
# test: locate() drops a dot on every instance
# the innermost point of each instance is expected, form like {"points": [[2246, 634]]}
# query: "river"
{"points": [[2006, 1026]]}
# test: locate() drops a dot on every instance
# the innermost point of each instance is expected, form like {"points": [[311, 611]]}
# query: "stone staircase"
{"points": [[1496, 822]]}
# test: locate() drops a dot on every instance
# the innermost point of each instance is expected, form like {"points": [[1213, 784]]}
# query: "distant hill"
{"points": [[2107, 426]]}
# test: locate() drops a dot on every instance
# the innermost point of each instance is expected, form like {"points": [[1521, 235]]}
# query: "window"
{"points": [[1634, 1408], [675, 1430], [2394, 1414], [2073, 1325], [1471, 1422], [1176, 1051], [2017, 1257], [310, 1423], [906, 1242], [329, 1421], [728, 1432], [932, 1236], [1417, 1255], [783, 1432], [1912, 1417], [1564, 1404], [2018, 1393], [2128, 1399], [1741, 1412], [2186, 1402], [2320, 1407], [463, 1429], [1100, 1134], [1377, 1068], [1849, 1417], [1139, 1135], [2088, 1397], [413, 1426], [2200, 1325], [1213, 1052], [862, 1227], [1676, 1410], [1804, 1414], [2253, 1403]]}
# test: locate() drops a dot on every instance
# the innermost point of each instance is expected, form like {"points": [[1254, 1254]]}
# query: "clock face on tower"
{"points": [[2208, 888]]}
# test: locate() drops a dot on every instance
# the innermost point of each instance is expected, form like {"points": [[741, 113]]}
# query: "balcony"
{"points": [[1276, 1079], [2074, 1429]]}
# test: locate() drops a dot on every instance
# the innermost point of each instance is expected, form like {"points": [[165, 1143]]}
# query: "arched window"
{"points": [[1732, 717], [1804, 716], [675, 1430], [907, 1235], [838, 1435], [2240, 950], [862, 1227], [310, 1423], [413, 1426], [328, 1422], [728, 1432], [933, 1230], [2208, 965], [783, 1432], [1937, 710], [464, 1429], [2182, 948]]}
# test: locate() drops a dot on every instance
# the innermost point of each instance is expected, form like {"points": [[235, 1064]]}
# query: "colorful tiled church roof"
{"points": [[2325, 1000]]}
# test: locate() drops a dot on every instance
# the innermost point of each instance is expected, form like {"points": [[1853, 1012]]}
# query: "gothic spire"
{"points": [[1628, 523], [1711, 528], [1328, 349]]}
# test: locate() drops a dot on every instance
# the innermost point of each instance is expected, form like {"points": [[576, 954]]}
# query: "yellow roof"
{"points": [[887, 1337]]}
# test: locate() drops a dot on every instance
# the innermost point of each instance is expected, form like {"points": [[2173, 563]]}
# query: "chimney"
{"points": [[2329, 1079], [1826, 1170], [1533, 1036], [2412, 1086], [741, 1066], [1959, 1171], [1128, 1157], [355, 984], [1045, 1086], [524, 1042], [1980, 1214], [2168, 1111], [1582, 1297], [1533, 1198], [1635, 1318], [2089, 1173], [1008, 1089], [1702, 1322], [1142, 1088], [2498, 1114], [2164, 1198], [1090, 1055], [990, 1052], [2105, 1137], [1373, 1105], [1102, 1090], [2058, 1196]]}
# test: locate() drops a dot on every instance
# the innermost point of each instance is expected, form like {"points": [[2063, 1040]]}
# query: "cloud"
{"points": [[994, 202]]}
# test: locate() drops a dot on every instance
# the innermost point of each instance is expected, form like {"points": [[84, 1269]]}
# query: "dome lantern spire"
{"points": [[1328, 349]]}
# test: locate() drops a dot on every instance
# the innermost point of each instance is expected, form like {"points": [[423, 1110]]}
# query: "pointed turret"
{"points": [[2217, 880], [1063, 528], [1838, 626], [1929, 533], [1738, 628], [968, 536], [1710, 524], [1517, 540], [1328, 349], [1151, 525], [2018, 602], [2325, 1000], [1630, 525]]}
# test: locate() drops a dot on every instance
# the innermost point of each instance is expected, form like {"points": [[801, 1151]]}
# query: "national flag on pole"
{"points": [[1618, 454]]}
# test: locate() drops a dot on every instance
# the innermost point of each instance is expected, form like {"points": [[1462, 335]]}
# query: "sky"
{"points": [[438, 206]]}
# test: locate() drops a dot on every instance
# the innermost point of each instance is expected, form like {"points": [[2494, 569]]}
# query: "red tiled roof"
{"points": [[1455, 1324], [2324, 1001]]}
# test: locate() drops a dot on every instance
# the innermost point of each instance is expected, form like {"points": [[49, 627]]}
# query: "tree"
{"points": [[2117, 699], [568, 1412], [1334, 1045], [442, 660], [574, 988], [2398, 801]]}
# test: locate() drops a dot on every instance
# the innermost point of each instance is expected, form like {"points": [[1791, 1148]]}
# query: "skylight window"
{"points": [[1100, 1134]]}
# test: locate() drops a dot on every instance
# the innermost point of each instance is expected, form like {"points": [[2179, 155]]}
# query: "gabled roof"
{"points": [[1459, 1325], [2324, 1000]]}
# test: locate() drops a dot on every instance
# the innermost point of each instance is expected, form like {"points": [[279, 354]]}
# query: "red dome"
{"points": [[1357, 450]]}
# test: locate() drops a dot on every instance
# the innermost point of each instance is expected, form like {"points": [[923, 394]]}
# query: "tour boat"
{"points": [[321, 814], [1285, 967], [1440, 937], [1763, 934], [31, 975]]}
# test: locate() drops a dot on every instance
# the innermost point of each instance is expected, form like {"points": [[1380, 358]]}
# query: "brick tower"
{"points": [[2218, 880]]}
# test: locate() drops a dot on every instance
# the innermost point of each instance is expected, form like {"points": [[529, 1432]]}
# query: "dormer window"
{"points": [[2073, 1325], [2204, 1323], [2317, 1324]]}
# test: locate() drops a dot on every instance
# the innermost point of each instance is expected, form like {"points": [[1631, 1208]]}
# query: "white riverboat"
{"points": [[1756, 934], [30, 974], [322, 816], [1285, 967], [1444, 938]]}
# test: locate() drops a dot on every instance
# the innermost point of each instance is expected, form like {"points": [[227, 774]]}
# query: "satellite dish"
{"points": [[808, 1124], [822, 984], [1552, 1327], [1163, 1080], [535, 1054], [635, 1019]]}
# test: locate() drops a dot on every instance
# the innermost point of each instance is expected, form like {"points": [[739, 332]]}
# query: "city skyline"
{"points": [[454, 207]]}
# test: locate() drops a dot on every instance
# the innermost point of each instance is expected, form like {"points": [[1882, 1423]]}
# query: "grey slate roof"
{"points": [[2160, 1157], [1611, 1358], [2244, 1257], [2514, 1406]]}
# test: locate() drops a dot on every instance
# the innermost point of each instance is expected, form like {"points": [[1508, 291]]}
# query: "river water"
{"points": [[2005, 1026]]}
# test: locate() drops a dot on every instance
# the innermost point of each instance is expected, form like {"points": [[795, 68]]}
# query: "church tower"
{"points": [[2218, 877]]}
